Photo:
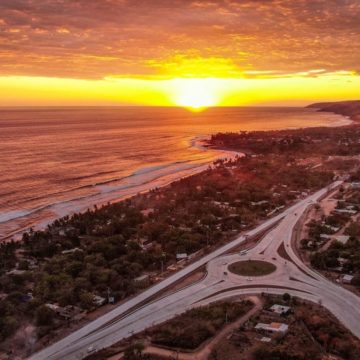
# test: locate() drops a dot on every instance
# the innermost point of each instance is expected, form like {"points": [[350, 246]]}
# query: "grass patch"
{"points": [[191, 329], [252, 268]]}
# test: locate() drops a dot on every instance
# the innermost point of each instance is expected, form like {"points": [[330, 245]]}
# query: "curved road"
{"points": [[290, 276]]}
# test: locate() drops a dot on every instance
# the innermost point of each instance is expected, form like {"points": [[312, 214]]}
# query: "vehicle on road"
{"points": [[91, 349]]}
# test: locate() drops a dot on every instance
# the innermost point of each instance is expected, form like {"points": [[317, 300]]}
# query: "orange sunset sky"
{"points": [[187, 53]]}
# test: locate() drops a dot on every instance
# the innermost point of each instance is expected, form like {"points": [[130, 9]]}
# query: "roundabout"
{"points": [[252, 268]]}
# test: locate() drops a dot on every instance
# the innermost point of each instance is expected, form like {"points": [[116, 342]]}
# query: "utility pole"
{"points": [[163, 255]]}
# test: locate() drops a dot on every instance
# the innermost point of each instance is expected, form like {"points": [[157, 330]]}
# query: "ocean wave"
{"points": [[153, 173], [115, 189], [15, 214]]}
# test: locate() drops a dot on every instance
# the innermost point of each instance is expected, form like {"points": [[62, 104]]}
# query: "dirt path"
{"points": [[205, 350]]}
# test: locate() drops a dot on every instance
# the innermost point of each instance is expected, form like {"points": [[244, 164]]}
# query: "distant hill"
{"points": [[347, 108]]}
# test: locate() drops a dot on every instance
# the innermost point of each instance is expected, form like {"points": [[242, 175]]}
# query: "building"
{"points": [[98, 300], [273, 327], [280, 309], [68, 312], [259, 203], [53, 307], [346, 279], [181, 256], [16, 272], [147, 212], [345, 211], [71, 251], [334, 229], [265, 339], [355, 185], [142, 281], [342, 238]]}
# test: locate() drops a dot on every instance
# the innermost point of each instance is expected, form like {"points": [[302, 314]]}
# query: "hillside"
{"points": [[347, 108]]}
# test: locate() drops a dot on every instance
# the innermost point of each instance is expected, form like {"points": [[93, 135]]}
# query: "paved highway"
{"points": [[290, 276]]}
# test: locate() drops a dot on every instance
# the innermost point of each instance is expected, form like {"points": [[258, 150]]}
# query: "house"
{"points": [[280, 309], [345, 211], [334, 229], [98, 300], [147, 212], [342, 238], [342, 261], [147, 246], [346, 279], [273, 327], [181, 256], [355, 185], [71, 251], [68, 312], [259, 203], [69, 230], [265, 339], [142, 281], [171, 268], [53, 307], [16, 272]]}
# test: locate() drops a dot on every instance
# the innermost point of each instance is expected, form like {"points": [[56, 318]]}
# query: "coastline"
{"points": [[140, 181], [349, 109], [144, 180]]}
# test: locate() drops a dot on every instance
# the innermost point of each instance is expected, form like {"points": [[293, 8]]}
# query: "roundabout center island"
{"points": [[252, 268]]}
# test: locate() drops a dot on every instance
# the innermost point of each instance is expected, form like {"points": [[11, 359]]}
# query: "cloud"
{"points": [[160, 39]]}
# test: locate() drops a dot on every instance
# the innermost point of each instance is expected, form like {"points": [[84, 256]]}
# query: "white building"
{"points": [[345, 211], [71, 251], [355, 185], [346, 279], [181, 256], [273, 327], [280, 309], [342, 238], [98, 300]]}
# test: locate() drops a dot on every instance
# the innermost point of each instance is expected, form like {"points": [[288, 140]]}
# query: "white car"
{"points": [[91, 349]]}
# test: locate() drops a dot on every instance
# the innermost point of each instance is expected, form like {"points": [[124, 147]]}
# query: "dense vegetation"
{"points": [[190, 330], [310, 141], [332, 336]]}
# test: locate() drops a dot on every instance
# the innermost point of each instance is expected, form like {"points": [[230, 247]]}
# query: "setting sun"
{"points": [[195, 94]]}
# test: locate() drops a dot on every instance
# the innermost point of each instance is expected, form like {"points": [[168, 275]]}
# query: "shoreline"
{"points": [[113, 194], [117, 193]]}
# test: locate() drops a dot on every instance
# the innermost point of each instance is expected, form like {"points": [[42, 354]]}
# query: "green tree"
{"points": [[44, 316], [134, 352]]}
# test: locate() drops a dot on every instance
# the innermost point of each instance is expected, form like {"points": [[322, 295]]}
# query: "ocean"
{"points": [[56, 161]]}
